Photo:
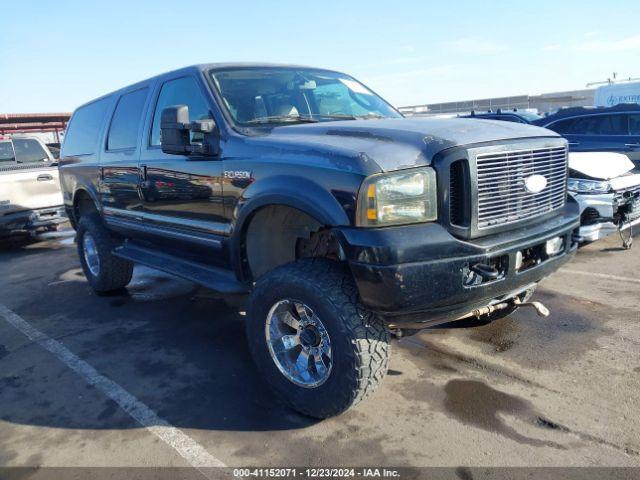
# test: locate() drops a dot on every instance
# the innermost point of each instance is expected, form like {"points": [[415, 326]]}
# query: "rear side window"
{"points": [[634, 124], [29, 151], [6, 153], [82, 134], [181, 91], [123, 132]]}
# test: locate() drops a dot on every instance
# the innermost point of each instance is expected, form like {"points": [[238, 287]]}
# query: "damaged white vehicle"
{"points": [[30, 195], [608, 191]]}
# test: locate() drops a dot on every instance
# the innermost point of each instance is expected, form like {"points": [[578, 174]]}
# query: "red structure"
{"points": [[34, 122]]}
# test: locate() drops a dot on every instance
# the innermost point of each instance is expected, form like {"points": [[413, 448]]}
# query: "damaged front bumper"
{"points": [[604, 214], [420, 275], [30, 220]]}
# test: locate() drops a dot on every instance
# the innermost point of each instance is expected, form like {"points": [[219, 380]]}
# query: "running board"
{"points": [[215, 278]]}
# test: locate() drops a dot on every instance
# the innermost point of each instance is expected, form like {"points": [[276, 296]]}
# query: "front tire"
{"points": [[104, 271], [313, 341]]}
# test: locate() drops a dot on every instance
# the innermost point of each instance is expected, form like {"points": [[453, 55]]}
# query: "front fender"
{"points": [[295, 192]]}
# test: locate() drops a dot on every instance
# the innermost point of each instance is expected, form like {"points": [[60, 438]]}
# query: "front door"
{"points": [[182, 195]]}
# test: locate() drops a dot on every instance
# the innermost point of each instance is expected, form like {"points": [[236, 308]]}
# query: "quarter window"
{"points": [[123, 132], [82, 133], [181, 91], [29, 151]]}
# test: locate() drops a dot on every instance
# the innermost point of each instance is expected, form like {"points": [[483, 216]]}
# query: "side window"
{"points": [[6, 153], [601, 125], [563, 126], [125, 124], [29, 150], [181, 91], [82, 133], [634, 124]]}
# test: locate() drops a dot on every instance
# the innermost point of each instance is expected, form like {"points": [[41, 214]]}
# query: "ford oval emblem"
{"points": [[535, 183]]}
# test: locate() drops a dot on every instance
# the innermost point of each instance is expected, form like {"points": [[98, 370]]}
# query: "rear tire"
{"points": [[355, 341], [104, 271]]}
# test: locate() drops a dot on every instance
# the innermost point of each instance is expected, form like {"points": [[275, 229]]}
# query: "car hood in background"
{"points": [[397, 143], [600, 165]]}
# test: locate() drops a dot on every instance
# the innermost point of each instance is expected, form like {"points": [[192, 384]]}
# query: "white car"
{"points": [[30, 195], [608, 192]]}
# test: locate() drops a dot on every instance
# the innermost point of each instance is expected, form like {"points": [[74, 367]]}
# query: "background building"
{"points": [[547, 102]]}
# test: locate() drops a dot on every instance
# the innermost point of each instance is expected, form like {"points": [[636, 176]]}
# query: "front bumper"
{"points": [[601, 223], [416, 274], [28, 220]]}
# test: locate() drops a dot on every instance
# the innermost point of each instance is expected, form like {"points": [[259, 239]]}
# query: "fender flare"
{"points": [[300, 194]]}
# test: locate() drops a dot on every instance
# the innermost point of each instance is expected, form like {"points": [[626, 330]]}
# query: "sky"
{"points": [[56, 55]]}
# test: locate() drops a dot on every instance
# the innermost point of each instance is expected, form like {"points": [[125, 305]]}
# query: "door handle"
{"points": [[143, 173], [44, 178]]}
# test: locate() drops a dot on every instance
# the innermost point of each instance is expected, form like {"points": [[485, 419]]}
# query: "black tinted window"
{"points": [[6, 152], [29, 151], [634, 124], [123, 132], [600, 125], [563, 126], [182, 91], [82, 134]]}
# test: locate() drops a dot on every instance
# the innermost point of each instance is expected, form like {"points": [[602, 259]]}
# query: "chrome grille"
{"points": [[502, 197], [619, 195]]}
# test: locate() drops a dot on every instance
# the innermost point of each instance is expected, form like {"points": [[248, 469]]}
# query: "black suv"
{"points": [[588, 129], [343, 220]]}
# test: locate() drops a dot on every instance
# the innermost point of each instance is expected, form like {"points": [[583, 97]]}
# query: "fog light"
{"points": [[554, 246], [518, 260]]}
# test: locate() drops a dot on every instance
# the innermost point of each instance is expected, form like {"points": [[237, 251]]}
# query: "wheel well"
{"points": [[279, 234], [83, 204]]}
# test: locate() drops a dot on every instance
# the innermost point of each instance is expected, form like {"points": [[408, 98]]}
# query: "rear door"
{"points": [[119, 172], [633, 141], [27, 179], [598, 132], [182, 195]]}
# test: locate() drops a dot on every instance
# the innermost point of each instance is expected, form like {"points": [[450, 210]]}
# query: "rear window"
{"points": [[6, 153], [29, 150], [123, 132], [82, 134]]}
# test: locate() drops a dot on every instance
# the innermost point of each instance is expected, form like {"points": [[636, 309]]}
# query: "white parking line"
{"points": [[601, 275], [182, 443]]}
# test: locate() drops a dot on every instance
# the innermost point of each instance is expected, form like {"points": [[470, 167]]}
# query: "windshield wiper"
{"points": [[283, 118]]}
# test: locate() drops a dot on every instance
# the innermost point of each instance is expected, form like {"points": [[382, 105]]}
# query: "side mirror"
{"points": [[175, 131]]}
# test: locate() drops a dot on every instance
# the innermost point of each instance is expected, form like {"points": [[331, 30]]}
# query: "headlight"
{"points": [[398, 198], [577, 185]]}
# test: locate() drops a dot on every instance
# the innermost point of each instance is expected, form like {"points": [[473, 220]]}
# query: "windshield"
{"points": [[255, 96]]}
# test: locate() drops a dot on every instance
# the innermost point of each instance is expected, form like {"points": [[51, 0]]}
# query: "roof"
{"points": [[578, 111], [200, 68]]}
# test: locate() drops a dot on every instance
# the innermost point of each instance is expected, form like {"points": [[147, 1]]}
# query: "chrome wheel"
{"points": [[90, 252], [298, 343]]}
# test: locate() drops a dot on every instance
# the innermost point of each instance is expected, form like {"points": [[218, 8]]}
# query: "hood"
{"points": [[600, 165], [397, 143]]}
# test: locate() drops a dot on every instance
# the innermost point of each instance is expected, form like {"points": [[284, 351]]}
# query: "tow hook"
{"points": [[540, 309], [626, 242]]}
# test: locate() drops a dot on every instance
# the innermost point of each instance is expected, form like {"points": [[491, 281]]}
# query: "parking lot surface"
{"points": [[160, 375]]}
